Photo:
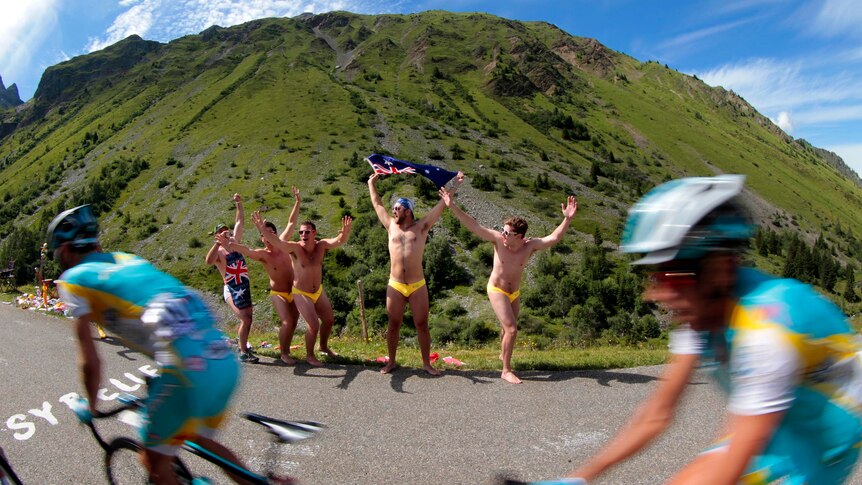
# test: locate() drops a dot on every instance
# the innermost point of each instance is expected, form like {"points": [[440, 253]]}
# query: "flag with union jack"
{"points": [[386, 165], [235, 273]]}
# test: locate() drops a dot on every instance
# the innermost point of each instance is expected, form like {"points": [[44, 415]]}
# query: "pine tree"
{"points": [[850, 292]]}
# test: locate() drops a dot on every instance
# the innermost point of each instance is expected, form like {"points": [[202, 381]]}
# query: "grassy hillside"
{"points": [[161, 135]]}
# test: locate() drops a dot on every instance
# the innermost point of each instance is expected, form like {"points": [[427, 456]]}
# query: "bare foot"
{"points": [[329, 352], [510, 377], [312, 361], [389, 367], [431, 370], [287, 359]]}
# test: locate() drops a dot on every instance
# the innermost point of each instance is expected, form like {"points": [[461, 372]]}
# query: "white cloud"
{"points": [[831, 114], [851, 153], [784, 122], [691, 37], [136, 20], [837, 17], [164, 20], [23, 28], [773, 86]]}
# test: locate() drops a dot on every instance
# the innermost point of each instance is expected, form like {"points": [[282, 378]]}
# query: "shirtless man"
{"points": [[407, 238], [279, 267], [308, 292], [512, 250], [234, 273]]}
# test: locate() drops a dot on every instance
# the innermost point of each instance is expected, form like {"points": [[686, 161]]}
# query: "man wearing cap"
{"points": [[407, 237], [234, 273]]}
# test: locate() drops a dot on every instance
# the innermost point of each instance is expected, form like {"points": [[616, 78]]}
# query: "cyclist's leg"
{"points": [[166, 415], [222, 451], [211, 390]]}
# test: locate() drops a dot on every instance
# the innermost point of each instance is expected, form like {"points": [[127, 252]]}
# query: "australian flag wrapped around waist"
{"points": [[236, 281], [386, 165]]}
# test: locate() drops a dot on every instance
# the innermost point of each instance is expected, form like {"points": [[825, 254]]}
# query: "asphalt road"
{"points": [[461, 428]]}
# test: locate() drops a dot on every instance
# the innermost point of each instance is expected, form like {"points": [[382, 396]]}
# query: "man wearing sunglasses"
{"points": [[785, 356], [308, 293], [512, 250]]}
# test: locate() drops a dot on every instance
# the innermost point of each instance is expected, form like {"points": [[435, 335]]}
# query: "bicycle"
{"points": [[121, 466], [7, 474]]}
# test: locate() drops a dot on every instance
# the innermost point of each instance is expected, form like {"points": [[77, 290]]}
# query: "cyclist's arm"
{"points": [[750, 434], [648, 422], [91, 366], [765, 373]]}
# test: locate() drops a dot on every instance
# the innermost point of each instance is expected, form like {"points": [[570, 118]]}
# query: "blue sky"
{"points": [[799, 62]]}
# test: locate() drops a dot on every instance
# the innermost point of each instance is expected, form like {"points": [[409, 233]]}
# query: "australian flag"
{"points": [[387, 165]]}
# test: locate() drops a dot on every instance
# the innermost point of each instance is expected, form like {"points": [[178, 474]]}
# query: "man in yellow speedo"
{"points": [[512, 250], [407, 238]]}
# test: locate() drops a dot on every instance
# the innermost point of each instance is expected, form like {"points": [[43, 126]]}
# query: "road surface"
{"points": [[462, 428]]}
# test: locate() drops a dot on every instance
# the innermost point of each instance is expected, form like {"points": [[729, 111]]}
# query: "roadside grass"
{"points": [[355, 351]]}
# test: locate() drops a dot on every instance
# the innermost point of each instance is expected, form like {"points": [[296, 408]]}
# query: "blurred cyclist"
{"points": [[153, 313], [785, 356]]}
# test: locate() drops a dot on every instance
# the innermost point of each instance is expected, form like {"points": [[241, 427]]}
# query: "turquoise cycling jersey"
{"points": [[157, 315], [132, 299], [787, 349]]}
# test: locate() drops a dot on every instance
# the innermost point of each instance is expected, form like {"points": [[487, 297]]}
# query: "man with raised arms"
{"points": [[407, 237], [308, 292], [279, 267], [512, 250], [234, 273]]}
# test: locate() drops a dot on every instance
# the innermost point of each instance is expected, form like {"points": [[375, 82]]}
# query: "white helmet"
{"points": [[687, 218]]}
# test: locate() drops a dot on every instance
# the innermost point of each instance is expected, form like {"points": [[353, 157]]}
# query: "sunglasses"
{"points": [[674, 279], [506, 233]]}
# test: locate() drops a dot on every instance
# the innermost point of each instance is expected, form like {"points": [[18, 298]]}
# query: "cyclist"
{"points": [[785, 356], [157, 315]]}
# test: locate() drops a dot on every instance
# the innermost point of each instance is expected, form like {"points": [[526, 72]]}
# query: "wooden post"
{"points": [[362, 311]]}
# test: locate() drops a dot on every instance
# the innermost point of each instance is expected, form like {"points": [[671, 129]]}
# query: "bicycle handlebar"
{"points": [[81, 408]]}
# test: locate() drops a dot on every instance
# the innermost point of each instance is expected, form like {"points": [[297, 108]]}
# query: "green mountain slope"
{"points": [[161, 135]]}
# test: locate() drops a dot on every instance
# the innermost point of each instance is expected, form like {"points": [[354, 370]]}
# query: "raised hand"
{"points": [[570, 207], [346, 223], [257, 220], [237, 198], [459, 179], [446, 196], [296, 193], [223, 239], [373, 178]]}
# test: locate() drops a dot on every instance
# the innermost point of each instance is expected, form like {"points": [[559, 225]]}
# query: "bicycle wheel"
{"points": [[123, 464], [7, 471]]}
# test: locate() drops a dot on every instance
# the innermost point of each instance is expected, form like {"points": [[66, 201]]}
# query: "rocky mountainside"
{"points": [[9, 97], [161, 134]]}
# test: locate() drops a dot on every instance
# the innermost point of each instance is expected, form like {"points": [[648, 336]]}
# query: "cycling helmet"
{"points": [[686, 219], [77, 226]]}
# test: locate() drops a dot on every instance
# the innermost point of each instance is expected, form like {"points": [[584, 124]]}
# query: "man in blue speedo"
{"points": [[785, 356], [153, 313]]}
